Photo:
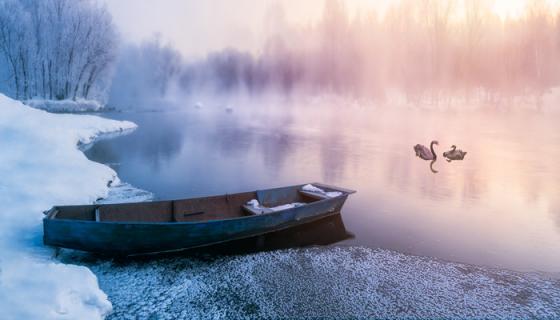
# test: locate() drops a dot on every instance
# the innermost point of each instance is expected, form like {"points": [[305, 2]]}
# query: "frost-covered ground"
{"points": [[41, 165], [328, 282]]}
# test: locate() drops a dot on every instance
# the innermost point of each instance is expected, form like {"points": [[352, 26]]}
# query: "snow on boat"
{"points": [[150, 227]]}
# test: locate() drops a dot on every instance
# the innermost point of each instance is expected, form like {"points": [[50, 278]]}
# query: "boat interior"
{"points": [[227, 206]]}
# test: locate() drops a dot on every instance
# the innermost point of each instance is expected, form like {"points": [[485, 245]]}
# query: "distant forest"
{"points": [[418, 48], [425, 49]]}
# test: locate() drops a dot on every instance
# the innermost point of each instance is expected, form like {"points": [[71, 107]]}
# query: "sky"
{"points": [[197, 27]]}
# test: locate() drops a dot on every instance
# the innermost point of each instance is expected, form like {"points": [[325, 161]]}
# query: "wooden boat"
{"points": [[150, 227]]}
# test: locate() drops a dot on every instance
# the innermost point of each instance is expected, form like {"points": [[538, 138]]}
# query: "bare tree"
{"points": [[56, 47]]}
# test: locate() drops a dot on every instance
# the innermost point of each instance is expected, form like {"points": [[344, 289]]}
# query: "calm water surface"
{"points": [[499, 207]]}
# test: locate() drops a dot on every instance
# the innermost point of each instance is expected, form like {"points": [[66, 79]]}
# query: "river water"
{"points": [[499, 207]]}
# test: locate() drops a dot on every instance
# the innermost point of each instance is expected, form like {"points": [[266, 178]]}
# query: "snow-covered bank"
{"points": [[78, 105], [40, 166], [327, 282], [121, 192]]}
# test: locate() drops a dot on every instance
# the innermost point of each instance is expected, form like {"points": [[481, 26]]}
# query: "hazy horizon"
{"points": [[197, 28]]}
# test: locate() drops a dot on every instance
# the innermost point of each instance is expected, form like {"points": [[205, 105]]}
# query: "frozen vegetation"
{"points": [[40, 166], [55, 50]]}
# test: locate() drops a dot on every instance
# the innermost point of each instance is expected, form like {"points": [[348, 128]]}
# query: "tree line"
{"points": [[422, 49]]}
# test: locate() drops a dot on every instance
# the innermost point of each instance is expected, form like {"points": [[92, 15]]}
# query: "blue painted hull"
{"points": [[126, 238]]}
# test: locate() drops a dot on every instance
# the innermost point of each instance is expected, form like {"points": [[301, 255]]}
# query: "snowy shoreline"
{"points": [[41, 165]]}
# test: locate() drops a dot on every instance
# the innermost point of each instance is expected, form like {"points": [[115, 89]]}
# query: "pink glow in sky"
{"points": [[198, 27]]}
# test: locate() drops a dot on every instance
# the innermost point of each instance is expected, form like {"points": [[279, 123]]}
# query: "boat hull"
{"points": [[127, 238]]}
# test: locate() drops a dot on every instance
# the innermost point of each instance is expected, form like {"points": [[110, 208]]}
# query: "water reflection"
{"points": [[334, 153], [156, 146], [555, 212], [493, 208], [432, 166]]}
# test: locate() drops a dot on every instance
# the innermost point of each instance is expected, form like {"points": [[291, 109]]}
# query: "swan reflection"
{"points": [[431, 166]]}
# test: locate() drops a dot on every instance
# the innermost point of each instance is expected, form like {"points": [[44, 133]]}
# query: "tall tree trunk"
{"points": [[44, 93], [90, 81], [25, 76], [16, 79], [13, 64], [68, 72], [80, 78], [50, 80]]}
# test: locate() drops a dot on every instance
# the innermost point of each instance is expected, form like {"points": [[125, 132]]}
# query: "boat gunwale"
{"points": [[50, 215]]}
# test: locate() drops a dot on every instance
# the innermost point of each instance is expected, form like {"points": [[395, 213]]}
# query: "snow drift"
{"points": [[40, 166]]}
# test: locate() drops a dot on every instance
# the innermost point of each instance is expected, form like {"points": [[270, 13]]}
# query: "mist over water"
{"points": [[498, 207]]}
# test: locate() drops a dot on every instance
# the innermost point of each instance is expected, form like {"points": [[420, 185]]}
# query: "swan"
{"points": [[454, 154], [424, 153]]}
